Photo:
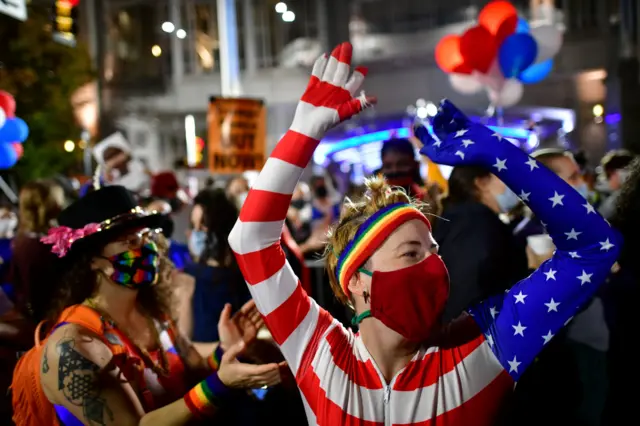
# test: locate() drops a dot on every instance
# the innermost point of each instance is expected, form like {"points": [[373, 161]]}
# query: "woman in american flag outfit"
{"points": [[404, 366]]}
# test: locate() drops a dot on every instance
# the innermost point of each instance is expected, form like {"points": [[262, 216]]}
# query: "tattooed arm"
{"points": [[77, 373]]}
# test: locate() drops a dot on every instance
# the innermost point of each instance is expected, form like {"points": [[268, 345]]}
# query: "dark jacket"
{"points": [[481, 254]]}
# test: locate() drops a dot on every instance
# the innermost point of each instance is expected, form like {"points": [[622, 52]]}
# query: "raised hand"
{"points": [[241, 328], [330, 95], [458, 141]]}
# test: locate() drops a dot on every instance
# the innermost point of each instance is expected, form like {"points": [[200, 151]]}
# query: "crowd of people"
{"points": [[502, 295]]}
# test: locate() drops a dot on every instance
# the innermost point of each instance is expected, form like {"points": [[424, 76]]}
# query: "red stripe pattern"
{"points": [[453, 384]]}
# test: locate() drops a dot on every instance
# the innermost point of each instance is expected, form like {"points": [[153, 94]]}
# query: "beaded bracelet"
{"points": [[214, 358], [203, 399]]}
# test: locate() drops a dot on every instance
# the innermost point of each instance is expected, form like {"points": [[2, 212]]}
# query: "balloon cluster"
{"points": [[13, 131], [500, 54]]}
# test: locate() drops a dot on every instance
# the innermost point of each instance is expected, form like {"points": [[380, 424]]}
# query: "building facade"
{"points": [[160, 61]]}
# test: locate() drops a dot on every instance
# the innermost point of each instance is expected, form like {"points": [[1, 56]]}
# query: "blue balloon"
{"points": [[517, 53], [8, 156], [523, 26], [14, 130], [536, 72]]}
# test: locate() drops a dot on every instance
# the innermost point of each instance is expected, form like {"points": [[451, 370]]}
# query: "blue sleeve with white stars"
{"points": [[517, 324]]}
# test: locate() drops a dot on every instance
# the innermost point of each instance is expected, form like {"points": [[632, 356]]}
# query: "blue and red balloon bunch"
{"points": [[502, 52], [13, 131]]}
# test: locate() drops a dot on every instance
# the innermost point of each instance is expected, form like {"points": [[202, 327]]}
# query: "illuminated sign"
{"points": [[65, 21]]}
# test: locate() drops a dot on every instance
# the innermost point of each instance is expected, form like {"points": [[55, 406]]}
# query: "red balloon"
{"points": [[8, 104], [495, 13], [478, 47], [449, 57], [507, 28], [17, 146]]}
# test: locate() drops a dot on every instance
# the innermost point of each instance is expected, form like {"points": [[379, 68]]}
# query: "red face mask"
{"points": [[411, 300]]}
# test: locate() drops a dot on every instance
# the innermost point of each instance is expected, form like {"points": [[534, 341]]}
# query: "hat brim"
{"points": [[152, 221]]}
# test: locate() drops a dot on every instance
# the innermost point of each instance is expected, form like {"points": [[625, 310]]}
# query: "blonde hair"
{"points": [[40, 203], [378, 195]]}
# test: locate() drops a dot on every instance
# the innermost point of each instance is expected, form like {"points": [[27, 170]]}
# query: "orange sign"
{"points": [[237, 135]]}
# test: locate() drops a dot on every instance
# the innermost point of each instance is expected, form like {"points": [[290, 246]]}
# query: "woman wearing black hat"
{"points": [[114, 356]]}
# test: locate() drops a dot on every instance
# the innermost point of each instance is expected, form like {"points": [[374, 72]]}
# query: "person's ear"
{"points": [[100, 264], [359, 285]]}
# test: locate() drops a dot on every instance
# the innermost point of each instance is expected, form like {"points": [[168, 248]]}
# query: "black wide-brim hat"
{"points": [[97, 218]]}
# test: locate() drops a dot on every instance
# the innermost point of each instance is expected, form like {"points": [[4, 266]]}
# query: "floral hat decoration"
{"points": [[100, 215]]}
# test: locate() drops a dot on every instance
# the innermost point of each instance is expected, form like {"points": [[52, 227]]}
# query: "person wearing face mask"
{"points": [[112, 354], [480, 252], [404, 366], [614, 172]]}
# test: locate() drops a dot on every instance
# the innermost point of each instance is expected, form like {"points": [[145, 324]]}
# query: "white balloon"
{"points": [[3, 118], [465, 84], [509, 95], [549, 40]]}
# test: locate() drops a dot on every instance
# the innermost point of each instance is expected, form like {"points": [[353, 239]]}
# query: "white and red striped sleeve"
{"points": [[292, 317], [289, 313]]}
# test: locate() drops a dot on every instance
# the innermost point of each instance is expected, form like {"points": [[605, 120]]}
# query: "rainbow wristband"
{"points": [[203, 399], [215, 358]]}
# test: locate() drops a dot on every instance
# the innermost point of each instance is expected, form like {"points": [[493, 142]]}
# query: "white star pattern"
{"points": [[489, 339], [574, 255], [513, 365], [460, 154], [552, 305], [497, 135], [493, 311], [524, 196], [461, 133], [467, 142], [572, 235], [606, 245], [548, 337], [437, 142], [556, 199], [543, 224], [584, 278], [500, 164], [519, 329], [589, 208], [551, 274], [520, 297], [532, 163]]}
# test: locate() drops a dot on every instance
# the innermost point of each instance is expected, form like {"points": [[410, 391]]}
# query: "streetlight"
{"points": [[156, 51], [69, 146], [168, 27], [281, 7], [181, 33], [598, 110], [288, 16]]}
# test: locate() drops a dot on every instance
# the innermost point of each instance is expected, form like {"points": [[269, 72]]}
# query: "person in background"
{"points": [[165, 187], [217, 279], [613, 174], [481, 254], [237, 190], [400, 167], [325, 203], [31, 266], [622, 304]]}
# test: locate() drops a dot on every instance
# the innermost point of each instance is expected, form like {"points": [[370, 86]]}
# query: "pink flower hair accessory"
{"points": [[62, 237]]}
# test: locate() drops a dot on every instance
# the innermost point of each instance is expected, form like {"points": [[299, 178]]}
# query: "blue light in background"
{"points": [[327, 148]]}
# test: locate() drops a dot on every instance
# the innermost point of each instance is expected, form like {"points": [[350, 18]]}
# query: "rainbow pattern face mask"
{"points": [[136, 268]]}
